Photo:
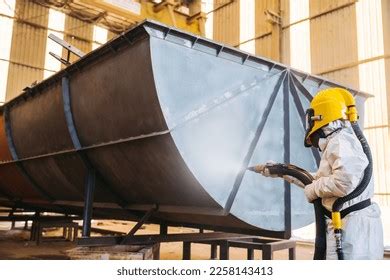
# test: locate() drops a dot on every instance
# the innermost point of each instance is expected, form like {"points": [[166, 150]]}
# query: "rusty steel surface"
{"points": [[167, 119]]}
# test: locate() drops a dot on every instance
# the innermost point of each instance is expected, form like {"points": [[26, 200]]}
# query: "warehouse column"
{"points": [[274, 18]]}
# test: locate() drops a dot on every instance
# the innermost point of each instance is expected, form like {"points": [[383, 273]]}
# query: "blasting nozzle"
{"points": [[257, 168]]}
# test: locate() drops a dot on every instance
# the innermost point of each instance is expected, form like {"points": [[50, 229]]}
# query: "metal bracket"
{"points": [[70, 48], [140, 223], [197, 16], [160, 6], [273, 17], [60, 59]]}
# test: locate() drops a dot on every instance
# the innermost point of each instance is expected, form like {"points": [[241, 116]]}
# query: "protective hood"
{"points": [[330, 130]]}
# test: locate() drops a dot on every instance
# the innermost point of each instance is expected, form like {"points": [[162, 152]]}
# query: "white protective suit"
{"points": [[341, 170]]}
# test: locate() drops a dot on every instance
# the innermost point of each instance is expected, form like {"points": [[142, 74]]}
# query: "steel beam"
{"points": [[213, 251], [140, 223], [66, 45], [156, 238], [186, 250], [250, 254], [224, 250], [66, 96], [106, 231], [23, 218], [163, 229], [286, 156], [88, 202]]}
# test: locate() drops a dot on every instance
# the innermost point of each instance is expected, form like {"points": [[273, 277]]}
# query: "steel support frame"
{"points": [[92, 174], [90, 179], [267, 246], [286, 156], [216, 239], [156, 238], [11, 213], [69, 231], [88, 202], [163, 229], [140, 223], [24, 218]]}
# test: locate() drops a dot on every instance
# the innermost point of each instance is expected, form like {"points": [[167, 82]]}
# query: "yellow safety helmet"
{"points": [[327, 106]]}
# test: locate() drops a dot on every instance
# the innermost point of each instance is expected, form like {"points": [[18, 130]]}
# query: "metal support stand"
{"points": [[215, 239], [11, 213], [214, 252], [34, 228], [186, 250], [69, 231], [266, 246], [88, 202], [267, 253], [292, 253], [163, 229], [250, 254], [224, 250]]}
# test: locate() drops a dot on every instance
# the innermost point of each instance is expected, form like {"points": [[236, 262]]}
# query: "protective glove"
{"points": [[310, 193], [293, 180]]}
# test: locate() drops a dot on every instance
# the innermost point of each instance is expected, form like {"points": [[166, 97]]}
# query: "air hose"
{"points": [[338, 204], [305, 177]]}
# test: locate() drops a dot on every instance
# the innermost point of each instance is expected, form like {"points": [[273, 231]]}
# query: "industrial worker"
{"points": [[341, 169], [331, 127]]}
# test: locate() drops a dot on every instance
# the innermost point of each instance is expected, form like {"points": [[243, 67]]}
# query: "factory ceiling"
{"points": [[119, 15]]}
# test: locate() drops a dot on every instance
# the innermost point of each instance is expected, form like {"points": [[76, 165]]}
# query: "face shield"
{"points": [[309, 124]]}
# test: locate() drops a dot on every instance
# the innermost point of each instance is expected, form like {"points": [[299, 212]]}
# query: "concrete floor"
{"points": [[14, 244]]}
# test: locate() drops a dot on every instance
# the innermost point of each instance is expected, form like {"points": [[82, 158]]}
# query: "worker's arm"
{"points": [[347, 163]]}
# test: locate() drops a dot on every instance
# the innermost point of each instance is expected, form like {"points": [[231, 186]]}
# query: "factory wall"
{"points": [[28, 60], [24, 46], [344, 40], [226, 22], [385, 129], [27, 53]]}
